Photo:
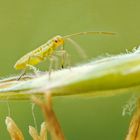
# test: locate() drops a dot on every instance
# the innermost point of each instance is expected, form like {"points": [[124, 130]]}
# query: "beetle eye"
{"points": [[55, 41]]}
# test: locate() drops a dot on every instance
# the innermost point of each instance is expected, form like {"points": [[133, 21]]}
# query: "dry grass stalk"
{"points": [[43, 132], [16, 133], [13, 130], [134, 128], [53, 125]]}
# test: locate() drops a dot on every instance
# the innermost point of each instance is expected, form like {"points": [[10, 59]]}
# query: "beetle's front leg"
{"points": [[64, 57]]}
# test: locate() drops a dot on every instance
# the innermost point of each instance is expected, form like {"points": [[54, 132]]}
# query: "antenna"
{"points": [[90, 32], [78, 47]]}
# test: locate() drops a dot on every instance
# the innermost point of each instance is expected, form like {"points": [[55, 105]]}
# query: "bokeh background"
{"points": [[26, 24]]}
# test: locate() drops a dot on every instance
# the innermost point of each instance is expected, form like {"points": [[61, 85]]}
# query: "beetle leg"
{"points": [[22, 74], [51, 58], [31, 66], [64, 56]]}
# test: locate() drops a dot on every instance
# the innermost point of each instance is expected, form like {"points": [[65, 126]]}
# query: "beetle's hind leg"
{"points": [[22, 74], [35, 70]]}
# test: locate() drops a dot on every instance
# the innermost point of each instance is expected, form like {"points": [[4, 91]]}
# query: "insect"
{"points": [[47, 50]]}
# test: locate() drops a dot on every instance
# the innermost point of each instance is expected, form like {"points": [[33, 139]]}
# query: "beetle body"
{"points": [[39, 54], [46, 50]]}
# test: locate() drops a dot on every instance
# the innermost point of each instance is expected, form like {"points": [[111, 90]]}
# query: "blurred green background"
{"points": [[26, 24]]}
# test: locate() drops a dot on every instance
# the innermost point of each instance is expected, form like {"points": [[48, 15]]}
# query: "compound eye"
{"points": [[56, 41]]}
